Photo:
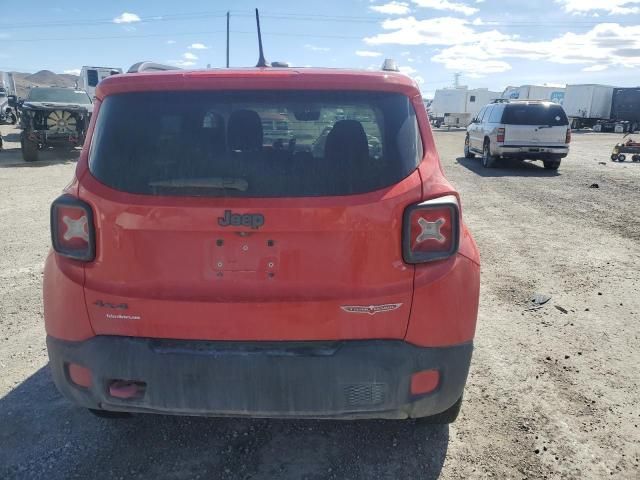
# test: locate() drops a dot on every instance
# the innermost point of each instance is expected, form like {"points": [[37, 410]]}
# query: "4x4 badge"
{"points": [[371, 309]]}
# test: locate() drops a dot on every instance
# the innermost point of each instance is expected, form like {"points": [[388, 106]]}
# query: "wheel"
{"points": [[108, 414], [636, 158], [448, 416], [614, 157], [467, 151], [551, 164], [622, 157], [29, 149], [488, 160]]}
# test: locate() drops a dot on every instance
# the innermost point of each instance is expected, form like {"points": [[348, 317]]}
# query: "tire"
{"points": [[614, 157], [467, 152], [636, 158], [488, 160], [551, 164], [448, 416], [622, 157], [29, 149], [108, 414]]}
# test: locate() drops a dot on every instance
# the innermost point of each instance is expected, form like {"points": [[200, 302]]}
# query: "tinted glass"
{"points": [[534, 114], [61, 95], [254, 143], [496, 114], [92, 78]]}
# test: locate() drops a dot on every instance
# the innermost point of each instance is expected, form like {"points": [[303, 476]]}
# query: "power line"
{"points": [[293, 16]]}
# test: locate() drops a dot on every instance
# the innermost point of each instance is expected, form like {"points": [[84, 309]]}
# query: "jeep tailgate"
{"points": [[309, 268]]}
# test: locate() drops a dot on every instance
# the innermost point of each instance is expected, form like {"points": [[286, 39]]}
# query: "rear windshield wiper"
{"points": [[222, 183]]}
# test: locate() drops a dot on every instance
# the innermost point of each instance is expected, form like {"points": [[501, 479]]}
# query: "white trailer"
{"points": [[91, 76], [587, 104], [455, 107], [535, 92]]}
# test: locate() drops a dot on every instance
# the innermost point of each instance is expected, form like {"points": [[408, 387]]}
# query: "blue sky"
{"points": [[492, 43]]}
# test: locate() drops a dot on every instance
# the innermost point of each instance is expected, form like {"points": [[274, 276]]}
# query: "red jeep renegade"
{"points": [[269, 242]]}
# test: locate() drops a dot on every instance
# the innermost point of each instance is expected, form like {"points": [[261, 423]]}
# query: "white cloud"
{"points": [[446, 5], [189, 56], [126, 17], [432, 31], [198, 46], [315, 48], [595, 68], [72, 71], [171, 42], [612, 7], [407, 70], [472, 51], [392, 8], [368, 53]]}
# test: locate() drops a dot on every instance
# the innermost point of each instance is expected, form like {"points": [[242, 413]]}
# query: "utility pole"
{"points": [[456, 79], [228, 15]]}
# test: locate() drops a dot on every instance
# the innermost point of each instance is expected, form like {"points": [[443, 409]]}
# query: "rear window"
{"points": [[254, 144], [534, 114]]}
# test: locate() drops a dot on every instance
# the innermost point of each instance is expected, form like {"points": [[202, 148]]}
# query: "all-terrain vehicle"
{"points": [[53, 117], [624, 149], [199, 268]]}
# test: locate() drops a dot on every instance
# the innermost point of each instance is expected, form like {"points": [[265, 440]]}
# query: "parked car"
{"points": [[8, 112], [197, 270], [53, 116], [524, 130]]}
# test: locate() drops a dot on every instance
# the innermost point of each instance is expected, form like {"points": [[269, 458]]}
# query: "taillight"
{"points": [[568, 139], [500, 138], [431, 230], [72, 230]]}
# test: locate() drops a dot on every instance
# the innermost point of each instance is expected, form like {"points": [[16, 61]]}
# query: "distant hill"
{"points": [[43, 78]]}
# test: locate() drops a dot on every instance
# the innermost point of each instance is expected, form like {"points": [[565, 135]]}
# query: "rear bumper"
{"points": [[346, 379], [531, 151]]}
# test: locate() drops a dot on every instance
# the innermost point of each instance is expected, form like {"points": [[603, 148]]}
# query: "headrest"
{"points": [[244, 132]]}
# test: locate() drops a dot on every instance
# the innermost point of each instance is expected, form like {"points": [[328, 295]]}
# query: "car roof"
{"points": [[267, 78]]}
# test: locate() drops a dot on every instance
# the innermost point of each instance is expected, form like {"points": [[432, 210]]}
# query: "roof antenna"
{"points": [[261, 61]]}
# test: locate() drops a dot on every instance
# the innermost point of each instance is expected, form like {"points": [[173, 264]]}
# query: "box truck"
{"points": [[586, 105], [535, 92], [91, 76], [455, 107]]}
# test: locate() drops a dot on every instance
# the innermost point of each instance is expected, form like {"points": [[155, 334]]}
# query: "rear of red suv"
{"points": [[208, 260]]}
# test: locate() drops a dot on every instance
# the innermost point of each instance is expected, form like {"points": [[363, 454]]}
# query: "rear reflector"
{"points": [[431, 230], [127, 389], [501, 134], [424, 382], [72, 228], [79, 375]]}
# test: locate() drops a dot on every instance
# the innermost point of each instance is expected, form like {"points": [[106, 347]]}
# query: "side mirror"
{"points": [[12, 100]]}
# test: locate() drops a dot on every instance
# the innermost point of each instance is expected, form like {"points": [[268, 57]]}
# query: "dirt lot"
{"points": [[552, 393]]}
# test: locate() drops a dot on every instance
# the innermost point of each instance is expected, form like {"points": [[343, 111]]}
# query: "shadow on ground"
{"points": [[506, 167], [43, 436]]}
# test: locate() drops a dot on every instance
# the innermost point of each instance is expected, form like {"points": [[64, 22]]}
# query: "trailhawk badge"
{"points": [[371, 309]]}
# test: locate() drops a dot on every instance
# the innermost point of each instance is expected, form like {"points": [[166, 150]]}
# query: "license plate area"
{"points": [[244, 252]]}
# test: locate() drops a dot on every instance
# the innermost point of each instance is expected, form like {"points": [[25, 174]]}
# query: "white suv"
{"points": [[527, 129]]}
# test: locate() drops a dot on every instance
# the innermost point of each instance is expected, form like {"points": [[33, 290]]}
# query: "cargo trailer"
{"points": [[586, 105]]}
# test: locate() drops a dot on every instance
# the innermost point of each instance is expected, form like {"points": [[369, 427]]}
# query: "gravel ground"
{"points": [[553, 392]]}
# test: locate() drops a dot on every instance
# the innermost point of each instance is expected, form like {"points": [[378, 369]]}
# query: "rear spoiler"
{"points": [[150, 67]]}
